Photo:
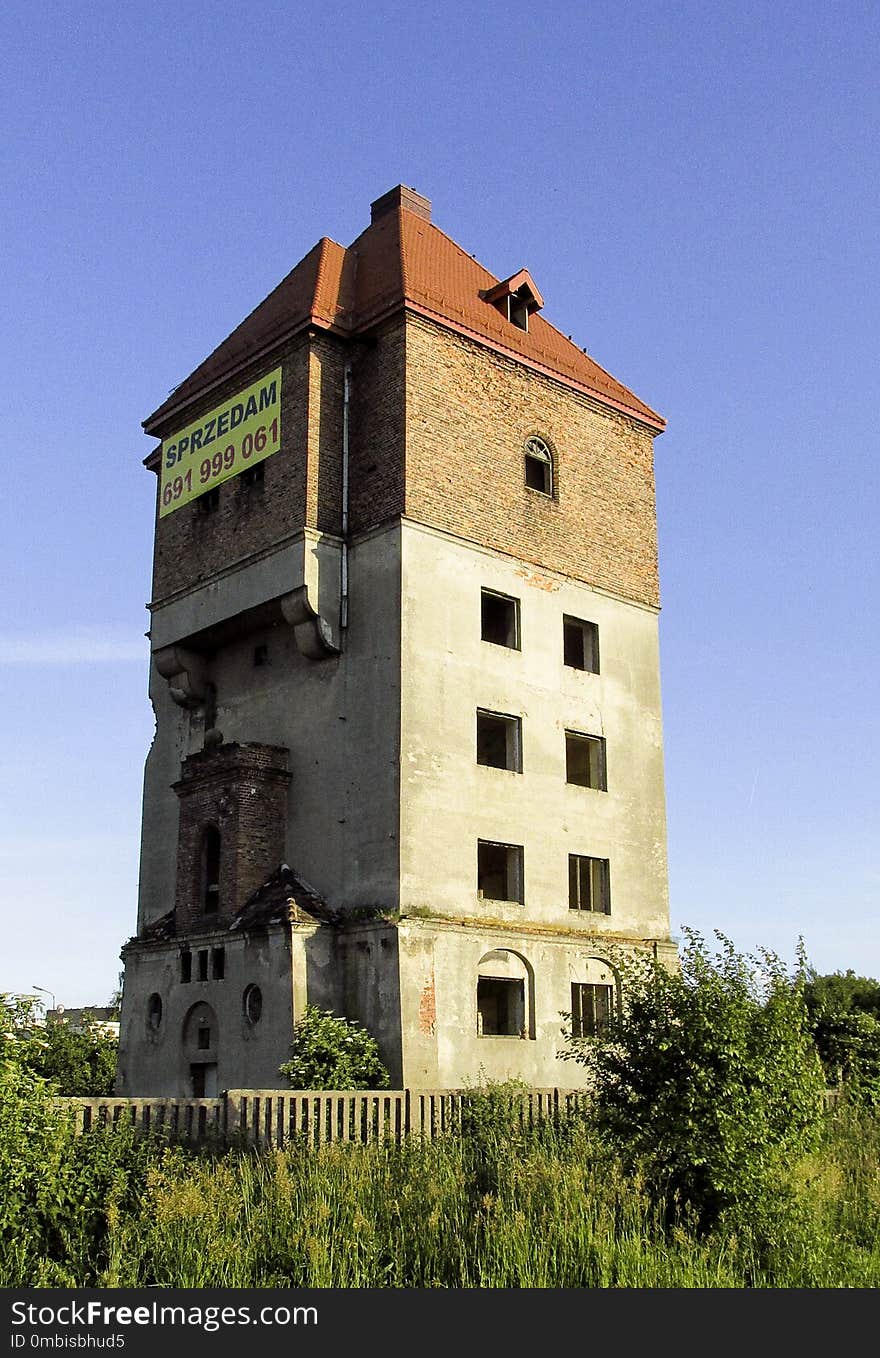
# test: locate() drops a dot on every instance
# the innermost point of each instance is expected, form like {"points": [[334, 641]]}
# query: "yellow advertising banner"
{"points": [[236, 435]]}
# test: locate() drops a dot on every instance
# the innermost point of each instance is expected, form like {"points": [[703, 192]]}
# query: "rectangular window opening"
{"points": [[186, 962], [208, 503], [500, 871], [218, 963], [501, 1007], [518, 312], [203, 1039], [499, 744], [585, 760], [203, 965], [580, 644], [499, 619], [592, 1007], [588, 884]]}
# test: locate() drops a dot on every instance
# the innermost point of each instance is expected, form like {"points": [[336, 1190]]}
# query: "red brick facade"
{"points": [[469, 412], [437, 427], [241, 791]]}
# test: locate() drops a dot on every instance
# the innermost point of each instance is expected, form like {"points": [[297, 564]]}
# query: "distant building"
{"points": [[95, 1019], [408, 757]]}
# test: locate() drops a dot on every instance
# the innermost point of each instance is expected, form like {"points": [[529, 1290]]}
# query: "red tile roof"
{"points": [[400, 260]]}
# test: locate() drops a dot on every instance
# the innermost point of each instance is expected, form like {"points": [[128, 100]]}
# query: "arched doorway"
{"points": [[200, 1051]]}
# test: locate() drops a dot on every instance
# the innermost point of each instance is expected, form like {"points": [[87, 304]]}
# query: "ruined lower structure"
{"points": [[408, 753]]}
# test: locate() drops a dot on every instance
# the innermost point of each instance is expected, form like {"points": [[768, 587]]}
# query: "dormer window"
{"points": [[516, 298], [518, 310]]}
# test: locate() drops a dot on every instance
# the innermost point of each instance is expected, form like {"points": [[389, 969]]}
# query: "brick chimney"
{"points": [[401, 196]]}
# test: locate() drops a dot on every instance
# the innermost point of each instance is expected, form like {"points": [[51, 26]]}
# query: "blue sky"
{"points": [[694, 189]]}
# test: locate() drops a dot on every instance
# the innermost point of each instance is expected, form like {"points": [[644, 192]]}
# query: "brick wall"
{"points": [[437, 430], [378, 429], [468, 414], [190, 547], [326, 368], [242, 790]]}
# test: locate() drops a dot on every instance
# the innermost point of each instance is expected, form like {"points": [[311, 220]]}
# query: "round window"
{"points": [[154, 1011], [253, 1003]]}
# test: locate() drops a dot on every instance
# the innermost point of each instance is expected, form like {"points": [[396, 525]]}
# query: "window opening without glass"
{"points": [[591, 1008], [588, 884], [499, 619], [211, 869], [539, 466], [585, 760], [499, 744], [501, 1007], [500, 871], [580, 644]]}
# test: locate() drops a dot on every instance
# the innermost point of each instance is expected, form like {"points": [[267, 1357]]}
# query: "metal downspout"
{"points": [[343, 592]]}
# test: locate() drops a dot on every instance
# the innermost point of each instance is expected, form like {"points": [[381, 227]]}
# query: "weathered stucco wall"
{"points": [[339, 719], [283, 962], [449, 801], [439, 965]]}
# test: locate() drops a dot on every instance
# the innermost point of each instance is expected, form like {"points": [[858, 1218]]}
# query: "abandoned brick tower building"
{"points": [[408, 754]]}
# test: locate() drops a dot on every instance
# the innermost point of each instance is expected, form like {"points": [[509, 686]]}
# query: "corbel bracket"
{"points": [[314, 637], [186, 674]]}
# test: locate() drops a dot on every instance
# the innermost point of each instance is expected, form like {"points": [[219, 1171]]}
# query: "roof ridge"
{"points": [[401, 260]]}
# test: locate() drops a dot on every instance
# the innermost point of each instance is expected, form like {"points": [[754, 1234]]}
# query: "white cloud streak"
{"points": [[73, 646]]}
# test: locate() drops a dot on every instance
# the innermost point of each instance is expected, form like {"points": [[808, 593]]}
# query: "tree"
{"points": [[34, 1138], [114, 1004], [844, 1012], [841, 992], [81, 1063], [328, 1052], [76, 1063], [707, 1078]]}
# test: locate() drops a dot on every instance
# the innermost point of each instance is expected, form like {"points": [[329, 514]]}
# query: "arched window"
{"points": [[594, 996], [154, 1011], [539, 466], [505, 995], [211, 869]]}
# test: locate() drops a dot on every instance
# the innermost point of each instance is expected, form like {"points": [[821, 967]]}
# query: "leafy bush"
{"points": [[841, 992], [707, 1078], [328, 1052], [844, 1014], [77, 1063], [33, 1145]]}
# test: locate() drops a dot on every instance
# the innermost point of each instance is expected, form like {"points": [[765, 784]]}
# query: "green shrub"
{"points": [[59, 1192], [328, 1052], [844, 1014], [707, 1079], [849, 1047], [78, 1063]]}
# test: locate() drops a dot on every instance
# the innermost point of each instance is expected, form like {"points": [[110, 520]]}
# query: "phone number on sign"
{"points": [[222, 464]]}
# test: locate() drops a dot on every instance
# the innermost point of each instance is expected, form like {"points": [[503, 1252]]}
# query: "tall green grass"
{"points": [[496, 1207]]}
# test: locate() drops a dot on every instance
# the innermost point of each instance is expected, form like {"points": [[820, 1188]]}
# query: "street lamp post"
{"points": [[46, 992]]}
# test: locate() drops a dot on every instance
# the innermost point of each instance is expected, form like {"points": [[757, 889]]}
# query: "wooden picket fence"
{"points": [[273, 1117]]}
